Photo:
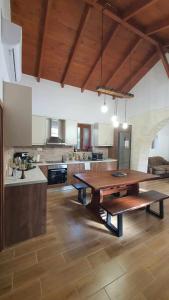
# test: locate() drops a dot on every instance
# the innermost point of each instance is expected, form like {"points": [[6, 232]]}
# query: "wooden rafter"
{"points": [[106, 45], [130, 13], [42, 47], [140, 73], [162, 25], [79, 36], [123, 62], [164, 60], [137, 7], [110, 13]]}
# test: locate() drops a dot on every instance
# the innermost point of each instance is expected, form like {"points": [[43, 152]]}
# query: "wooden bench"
{"points": [[81, 187], [118, 206]]}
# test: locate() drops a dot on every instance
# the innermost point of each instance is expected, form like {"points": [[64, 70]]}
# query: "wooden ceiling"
{"points": [[62, 40]]}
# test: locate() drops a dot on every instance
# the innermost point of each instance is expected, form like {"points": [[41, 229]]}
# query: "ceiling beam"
{"points": [[164, 60], [140, 73], [106, 45], [137, 7], [130, 13], [110, 13], [162, 25], [123, 62], [83, 22], [42, 46]]}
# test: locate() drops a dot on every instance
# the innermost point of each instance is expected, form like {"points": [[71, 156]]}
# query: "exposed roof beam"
{"points": [[130, 13], [42, 46], [140, 73], [158, 27], [102, 51], [110, 13], [164, 60], [83, 22], [137, 7], [122, 63]]}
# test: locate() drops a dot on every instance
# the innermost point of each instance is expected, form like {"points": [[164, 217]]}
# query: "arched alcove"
{"points": [[145, 127]]}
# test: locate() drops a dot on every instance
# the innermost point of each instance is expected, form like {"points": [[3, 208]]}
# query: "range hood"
{"points": [[56, 132]]}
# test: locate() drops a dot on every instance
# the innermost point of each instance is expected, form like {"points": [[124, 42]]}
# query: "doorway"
{"points": [[1, 177]]}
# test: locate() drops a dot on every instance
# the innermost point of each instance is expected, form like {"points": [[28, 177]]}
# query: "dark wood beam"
{"points": [[106, 45], [162, 25], [111, 14], [130, 13], [137, 7], [164, 60], [42, 46], [83, 22], [123, 62], [140, 73]]}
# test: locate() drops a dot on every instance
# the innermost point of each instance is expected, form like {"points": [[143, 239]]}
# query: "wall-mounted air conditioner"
{"points": [[12, 45]]}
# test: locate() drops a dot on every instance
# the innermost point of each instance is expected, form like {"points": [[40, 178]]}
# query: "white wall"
{"points": [[49, 99], [161, 144], [5, 11]]}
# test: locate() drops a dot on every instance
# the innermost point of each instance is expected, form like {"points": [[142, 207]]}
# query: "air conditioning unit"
{"points": [[12, 45]]}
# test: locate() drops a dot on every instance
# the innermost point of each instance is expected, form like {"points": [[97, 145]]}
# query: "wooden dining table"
{"points": [[105, 183]]}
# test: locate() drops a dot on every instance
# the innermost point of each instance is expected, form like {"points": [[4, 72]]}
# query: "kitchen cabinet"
{"points": [[71, 132], [39, 129], [44, 170], [103, 166], [103, 134], [73, 169], [25, 212], [17, 115]]}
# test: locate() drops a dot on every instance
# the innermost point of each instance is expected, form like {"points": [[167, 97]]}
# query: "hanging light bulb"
{"points": [[104, 107], [125, 125], [116, 124]]}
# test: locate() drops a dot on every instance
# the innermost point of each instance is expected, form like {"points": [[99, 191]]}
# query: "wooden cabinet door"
{"points": [[103, 166], [73, 169], [17, 115], [1, 180], [44, 170], [38, 130], [71, 132]]}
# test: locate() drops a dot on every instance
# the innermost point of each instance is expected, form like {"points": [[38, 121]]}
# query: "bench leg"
{"points": [[82, 196], [154, 213], [118, 231]]}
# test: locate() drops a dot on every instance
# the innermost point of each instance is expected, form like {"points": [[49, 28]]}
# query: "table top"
{"points": [[105, 179]]}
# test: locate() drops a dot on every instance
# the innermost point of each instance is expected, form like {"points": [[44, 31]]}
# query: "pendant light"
{"points": [[125, 124], [114, 118], [104, 107]]}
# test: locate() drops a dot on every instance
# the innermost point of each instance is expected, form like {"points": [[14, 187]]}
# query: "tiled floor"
{"points": [[79, 259]]}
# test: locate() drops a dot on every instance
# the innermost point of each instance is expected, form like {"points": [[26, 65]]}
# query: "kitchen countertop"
{"points": [[33, 176], [75, 162]]}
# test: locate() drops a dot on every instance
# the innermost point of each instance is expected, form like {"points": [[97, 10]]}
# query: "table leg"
{"points": [[133, 189]]}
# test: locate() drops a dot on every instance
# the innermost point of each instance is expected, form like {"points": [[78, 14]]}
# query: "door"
{"points": [[1, 177]]}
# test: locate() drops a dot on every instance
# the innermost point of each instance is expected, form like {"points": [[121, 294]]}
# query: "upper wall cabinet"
{"points": [[39, 134], [17, 115], [103, 134], [71, 132]]}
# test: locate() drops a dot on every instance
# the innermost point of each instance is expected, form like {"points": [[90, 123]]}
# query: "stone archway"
{"points": [[145, 127]]}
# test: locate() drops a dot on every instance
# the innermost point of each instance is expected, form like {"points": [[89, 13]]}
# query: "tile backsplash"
{"points": [[49, 153]]}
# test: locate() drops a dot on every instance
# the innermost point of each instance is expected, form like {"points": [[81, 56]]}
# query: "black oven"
{"points": [[57, 174]]}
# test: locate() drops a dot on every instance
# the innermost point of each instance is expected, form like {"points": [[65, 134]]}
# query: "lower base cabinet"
{"points": [[25, 212], [94, 166]]}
